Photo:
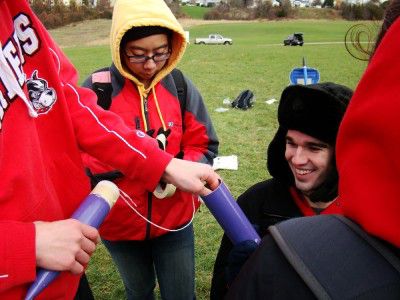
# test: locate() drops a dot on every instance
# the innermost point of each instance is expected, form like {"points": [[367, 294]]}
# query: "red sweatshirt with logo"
{"points": [[45, 120]]}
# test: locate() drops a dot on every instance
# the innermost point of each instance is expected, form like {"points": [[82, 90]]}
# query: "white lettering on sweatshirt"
{"points": [[23, 41]]}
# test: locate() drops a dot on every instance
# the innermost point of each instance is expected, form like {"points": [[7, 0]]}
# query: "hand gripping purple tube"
{"points": [[230, 216], [92, 211]]}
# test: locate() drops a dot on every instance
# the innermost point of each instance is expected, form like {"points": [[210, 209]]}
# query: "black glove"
{"points": [[237, 257], [96, 178]]}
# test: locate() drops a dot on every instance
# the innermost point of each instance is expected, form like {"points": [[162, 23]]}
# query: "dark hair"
{"points": [[136, 33], [361, 51], [391, 14]]}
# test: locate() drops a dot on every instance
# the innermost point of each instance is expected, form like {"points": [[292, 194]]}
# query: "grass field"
{"points": [[256, 61], [195, 12]]}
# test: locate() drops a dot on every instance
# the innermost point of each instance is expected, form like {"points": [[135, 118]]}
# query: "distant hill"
{"points": [[86, 33], [96, 32]]}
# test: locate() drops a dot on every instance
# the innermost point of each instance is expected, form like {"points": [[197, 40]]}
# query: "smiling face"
{"points": [[310, 160], [149, 46]]}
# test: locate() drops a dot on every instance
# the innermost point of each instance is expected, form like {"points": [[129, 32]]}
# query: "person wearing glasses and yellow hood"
{"points": [[152, 238]]}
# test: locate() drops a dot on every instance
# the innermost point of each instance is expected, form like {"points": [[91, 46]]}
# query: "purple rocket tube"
{"points": [[92, 211], [230, 216]]}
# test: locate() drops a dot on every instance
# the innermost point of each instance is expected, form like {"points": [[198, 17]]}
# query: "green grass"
{"points": [[195, 12], [256, 61]]}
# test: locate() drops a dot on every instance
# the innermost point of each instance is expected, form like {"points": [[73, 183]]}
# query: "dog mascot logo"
{"points": [[41, 96]]}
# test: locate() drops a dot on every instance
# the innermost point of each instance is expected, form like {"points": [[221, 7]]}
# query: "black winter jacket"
{"points": [[267, 274], [264, 204]]}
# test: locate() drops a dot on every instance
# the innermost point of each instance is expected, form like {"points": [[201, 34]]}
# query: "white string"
{"points": [[104, 126], [124, 196], [93, 114], [128, 200]]}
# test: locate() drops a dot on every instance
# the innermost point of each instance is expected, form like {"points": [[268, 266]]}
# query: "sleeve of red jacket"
{"points": [[17, 259], [199, 141], [103, 134], [100, 133], [95, 165]]}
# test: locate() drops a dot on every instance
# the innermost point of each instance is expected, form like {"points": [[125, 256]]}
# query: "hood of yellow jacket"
{"points": [[136, 13]]}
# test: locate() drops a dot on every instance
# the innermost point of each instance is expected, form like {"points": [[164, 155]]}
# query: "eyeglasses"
{"points": [[139, 59]]}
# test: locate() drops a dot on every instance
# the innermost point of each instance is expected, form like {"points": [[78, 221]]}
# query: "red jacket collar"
{"points": [[307, 210]]}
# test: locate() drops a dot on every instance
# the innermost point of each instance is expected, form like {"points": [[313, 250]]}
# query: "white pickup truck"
{"points": [[214, 39]]}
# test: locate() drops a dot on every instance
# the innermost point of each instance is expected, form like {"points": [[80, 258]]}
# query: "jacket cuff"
{"points": [[157, 161]]}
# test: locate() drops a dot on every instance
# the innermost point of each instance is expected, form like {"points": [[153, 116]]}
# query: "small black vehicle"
{"points": [[294, 39]]}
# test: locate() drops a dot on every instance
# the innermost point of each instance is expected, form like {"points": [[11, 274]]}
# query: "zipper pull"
{"points": [[137, 123], [146, 109], [146, 112]]}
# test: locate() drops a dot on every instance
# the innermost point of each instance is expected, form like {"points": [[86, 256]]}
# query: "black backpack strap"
{"points": [[295, 259], [181, 88], [333, 258], [101, 85], [373, 242]]}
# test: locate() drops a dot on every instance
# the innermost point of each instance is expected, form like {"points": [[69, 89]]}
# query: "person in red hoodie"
{"points": [[360, 254], [45, 122]]}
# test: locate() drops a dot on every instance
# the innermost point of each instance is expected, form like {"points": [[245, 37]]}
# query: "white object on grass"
{"points": [[270, 101], [226, 162], [221, 109], [226, 101]]}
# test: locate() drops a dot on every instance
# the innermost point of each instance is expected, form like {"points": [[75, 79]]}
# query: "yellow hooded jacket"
{"points": [[150, 109], [136, 13]]}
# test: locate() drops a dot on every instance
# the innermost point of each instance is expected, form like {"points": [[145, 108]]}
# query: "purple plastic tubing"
{"points": [[230, 216], [92, 212]]}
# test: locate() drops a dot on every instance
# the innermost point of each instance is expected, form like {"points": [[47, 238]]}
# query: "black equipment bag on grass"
{"points": [[244, 100]]}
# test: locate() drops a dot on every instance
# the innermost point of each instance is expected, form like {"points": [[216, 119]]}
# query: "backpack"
{"points": [[101, 85], [244, 100], [353, 265]]}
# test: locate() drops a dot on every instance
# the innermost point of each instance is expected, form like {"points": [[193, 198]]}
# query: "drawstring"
{"points": [[11, 83], [142, 108], [158, 109]]}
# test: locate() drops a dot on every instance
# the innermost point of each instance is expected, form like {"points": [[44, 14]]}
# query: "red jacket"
{"points": [[195, 137], [41, 171]]}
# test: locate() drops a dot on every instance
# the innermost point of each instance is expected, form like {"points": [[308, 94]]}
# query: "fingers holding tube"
{"points": [[191, 176]]}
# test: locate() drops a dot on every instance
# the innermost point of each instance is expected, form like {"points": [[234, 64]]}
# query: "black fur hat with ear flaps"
{"points": [[315, 110]]}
